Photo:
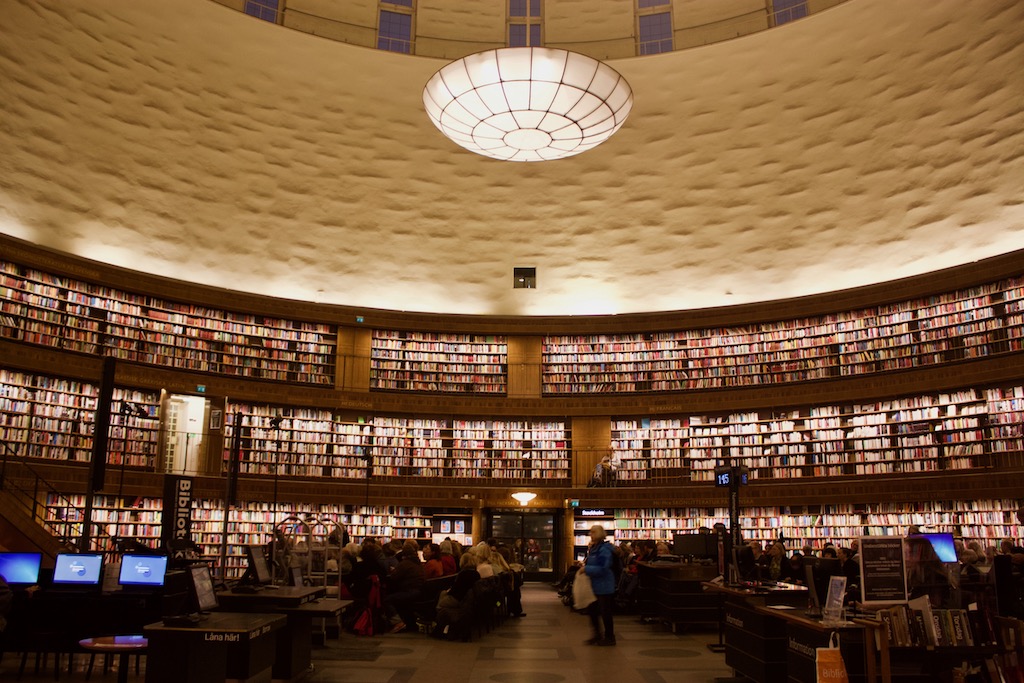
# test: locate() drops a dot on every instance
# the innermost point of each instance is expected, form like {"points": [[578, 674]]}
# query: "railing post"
{"points": [[35, 499]]}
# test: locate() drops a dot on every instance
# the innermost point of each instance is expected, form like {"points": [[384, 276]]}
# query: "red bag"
{"points": [[364, 624]]}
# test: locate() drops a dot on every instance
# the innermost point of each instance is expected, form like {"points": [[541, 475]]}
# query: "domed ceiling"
{"points": [[871, 141]]}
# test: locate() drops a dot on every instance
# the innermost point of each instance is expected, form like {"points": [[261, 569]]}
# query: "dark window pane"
{"points": [[644, 4], [517, 8], [535, 8], [535, 34], [262, 9], [655, 33], [517, 35], [400, 3], [395, 33], [788, 10]]}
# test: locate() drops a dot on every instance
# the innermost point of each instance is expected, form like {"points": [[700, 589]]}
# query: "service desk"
{"points": [[769, 638], [755, 641], [671, 592], [805, 634], [224, 646], [300, 605]]}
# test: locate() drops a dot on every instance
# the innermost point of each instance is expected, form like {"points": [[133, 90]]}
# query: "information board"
{"points": [[883, 578]]}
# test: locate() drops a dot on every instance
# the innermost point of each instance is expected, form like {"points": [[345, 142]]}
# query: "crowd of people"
{"points": [[755, 563], [389, 579]]}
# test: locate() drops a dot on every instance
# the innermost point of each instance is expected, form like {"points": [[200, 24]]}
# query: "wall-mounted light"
{"points": [[524, 497]]}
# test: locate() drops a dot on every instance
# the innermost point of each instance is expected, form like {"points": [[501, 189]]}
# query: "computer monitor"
{"points": [[78, 569], [20, 569], [297, 576], [700, 546], [258, 571], [932, 547], [142, 570], [202, 588]]}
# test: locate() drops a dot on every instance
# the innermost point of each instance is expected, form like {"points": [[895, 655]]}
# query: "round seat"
{"points": [[120, 645]]}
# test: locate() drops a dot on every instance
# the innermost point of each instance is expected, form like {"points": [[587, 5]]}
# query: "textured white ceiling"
{"points": [[872, 141]]}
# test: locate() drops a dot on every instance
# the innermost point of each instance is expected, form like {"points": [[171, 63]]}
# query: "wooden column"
{"points": [[524, 367], [591, 439], [353, 359]]}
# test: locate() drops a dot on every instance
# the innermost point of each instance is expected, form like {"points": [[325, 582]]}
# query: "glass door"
{"points": [[531, 537]]}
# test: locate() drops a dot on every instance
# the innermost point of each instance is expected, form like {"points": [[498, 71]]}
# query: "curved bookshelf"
{"points": [[904, 392]]}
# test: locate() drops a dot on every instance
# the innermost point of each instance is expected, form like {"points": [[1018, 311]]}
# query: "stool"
{"points": [[120, 645]]}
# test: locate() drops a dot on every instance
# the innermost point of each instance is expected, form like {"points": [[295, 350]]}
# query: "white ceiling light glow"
{"points": [[527, 103]]}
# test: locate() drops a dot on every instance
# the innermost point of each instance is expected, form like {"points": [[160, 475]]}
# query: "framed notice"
{"points": [[460, 526], [446, 526], [883, 578]]}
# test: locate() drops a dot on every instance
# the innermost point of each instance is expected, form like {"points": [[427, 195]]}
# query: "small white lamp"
{"points": [[524, 497]]}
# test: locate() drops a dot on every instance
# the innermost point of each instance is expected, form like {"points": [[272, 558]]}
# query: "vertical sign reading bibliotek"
{"points": [[176, 531]]}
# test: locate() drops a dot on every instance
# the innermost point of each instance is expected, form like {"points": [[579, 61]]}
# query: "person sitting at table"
{"points": [[449, 565], [454, 619], [368, 564], [432, 566], [402, 588], [778, 567]]}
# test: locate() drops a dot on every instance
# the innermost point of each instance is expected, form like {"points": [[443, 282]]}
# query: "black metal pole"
{"points": [[98, 464], [230, 500]]}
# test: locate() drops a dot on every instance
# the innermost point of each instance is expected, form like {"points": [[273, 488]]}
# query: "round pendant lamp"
{"points": [[527, 103]]}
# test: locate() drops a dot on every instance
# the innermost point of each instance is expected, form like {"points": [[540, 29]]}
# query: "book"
{"points": [[922, 610]]}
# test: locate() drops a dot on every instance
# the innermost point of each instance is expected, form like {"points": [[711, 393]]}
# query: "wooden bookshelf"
{"points": [[649, 449], [296, 442], [986, 521], [964, 429], [46, 417], [310, 442], [73, 315], [112, 517], [965, 324], [438, 363], [509, 451]]}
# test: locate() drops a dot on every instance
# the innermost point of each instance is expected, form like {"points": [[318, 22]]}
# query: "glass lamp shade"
{"points": [[524, 497], [527, 103]]}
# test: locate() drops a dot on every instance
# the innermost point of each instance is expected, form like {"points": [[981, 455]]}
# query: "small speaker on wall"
{"points": [[524, 278]]}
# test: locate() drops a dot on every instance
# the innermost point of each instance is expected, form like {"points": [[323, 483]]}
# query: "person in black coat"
{"points": [[778, 566]]}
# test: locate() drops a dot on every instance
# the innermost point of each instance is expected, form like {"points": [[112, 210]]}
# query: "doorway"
{"points": [[185, 434], [532, 538]]}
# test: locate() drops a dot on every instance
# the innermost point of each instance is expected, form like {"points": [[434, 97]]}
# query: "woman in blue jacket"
{"points": [[599, 568]]}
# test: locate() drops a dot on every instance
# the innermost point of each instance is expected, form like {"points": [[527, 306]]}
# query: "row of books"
{"points": [[917, 624]]}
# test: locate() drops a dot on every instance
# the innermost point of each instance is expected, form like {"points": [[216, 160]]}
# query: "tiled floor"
{"points": [[546, 646]]}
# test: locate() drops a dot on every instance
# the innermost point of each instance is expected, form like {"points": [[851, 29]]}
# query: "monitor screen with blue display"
{"points": [[79, 570], [20, 568], [941, 544], [142, 570]]}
